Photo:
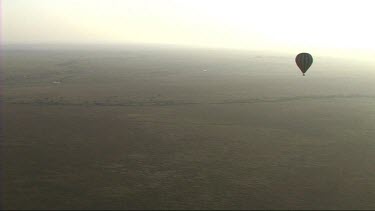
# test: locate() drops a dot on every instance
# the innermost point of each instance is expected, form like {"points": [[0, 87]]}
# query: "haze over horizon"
{"points": [[322, 27]]}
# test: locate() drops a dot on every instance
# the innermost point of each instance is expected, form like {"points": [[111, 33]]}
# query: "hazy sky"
{"points": [[253, 24]]}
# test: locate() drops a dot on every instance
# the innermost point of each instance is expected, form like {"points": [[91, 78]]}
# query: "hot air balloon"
{"points": [[304, 62]]}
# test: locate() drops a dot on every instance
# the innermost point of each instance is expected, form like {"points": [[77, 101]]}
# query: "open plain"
{"points": [[167, 128]]}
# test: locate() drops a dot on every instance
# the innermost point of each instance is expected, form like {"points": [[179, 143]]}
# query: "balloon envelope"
{"points": [[304, 61]]}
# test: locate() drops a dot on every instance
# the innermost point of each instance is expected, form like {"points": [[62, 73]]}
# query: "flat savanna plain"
{"points": [[168, 128]]}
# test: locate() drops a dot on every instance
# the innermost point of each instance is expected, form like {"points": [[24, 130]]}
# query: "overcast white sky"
{"points": [[280, 25]]}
